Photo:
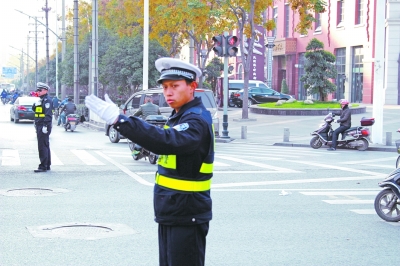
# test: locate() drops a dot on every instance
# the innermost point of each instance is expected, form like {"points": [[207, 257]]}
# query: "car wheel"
{"points": [[250, 102], [113, 135], [11, 119], [15, 119]]}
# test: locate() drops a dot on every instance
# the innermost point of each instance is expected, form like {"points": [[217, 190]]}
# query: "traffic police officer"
{"points": [[43, 123], [182, 202]]}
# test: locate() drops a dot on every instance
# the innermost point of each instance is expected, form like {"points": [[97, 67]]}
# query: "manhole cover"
{"points": [[81, 231], [28, 192]]}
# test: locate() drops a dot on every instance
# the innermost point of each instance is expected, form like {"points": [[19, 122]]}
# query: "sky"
{"points": [[15, 28]]}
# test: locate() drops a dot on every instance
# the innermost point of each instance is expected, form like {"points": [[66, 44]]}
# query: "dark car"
{"points": [[137, 99], [22, 109], [259, 95]]}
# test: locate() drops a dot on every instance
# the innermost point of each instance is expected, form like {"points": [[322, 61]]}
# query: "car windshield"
{"points": [[27, 100]]}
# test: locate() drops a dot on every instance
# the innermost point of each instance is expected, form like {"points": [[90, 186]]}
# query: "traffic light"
{"points": [[218, 45], [231, 42]]}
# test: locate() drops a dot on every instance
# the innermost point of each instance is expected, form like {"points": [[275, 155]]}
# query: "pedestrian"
{"points": [[148, 108], [43, 109], [182, 201], [55, 102], [345, 122]]}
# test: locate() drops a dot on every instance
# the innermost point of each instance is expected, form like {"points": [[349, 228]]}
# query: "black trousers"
{"points": [[43, 147], [182, 245], [336, 133]]}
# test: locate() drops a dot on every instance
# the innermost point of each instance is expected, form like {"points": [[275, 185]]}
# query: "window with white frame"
{"points": [[340, 13]]}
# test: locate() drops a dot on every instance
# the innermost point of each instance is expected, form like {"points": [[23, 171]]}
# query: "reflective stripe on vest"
{"points": [[39, 109], [169, 161], [40, 115], [183, 185]]}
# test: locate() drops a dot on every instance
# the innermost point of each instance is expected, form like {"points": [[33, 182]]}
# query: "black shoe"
{"points": [[331, 149], [40, 170], [48, 168]]}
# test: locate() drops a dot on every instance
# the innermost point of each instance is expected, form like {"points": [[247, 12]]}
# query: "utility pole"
{"points": [[94, 50], [63, 88], [76, 54], [46, 9]]}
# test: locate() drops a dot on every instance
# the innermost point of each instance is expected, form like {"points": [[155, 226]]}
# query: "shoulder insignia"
{"points": [[181, 127], [47, 105]]}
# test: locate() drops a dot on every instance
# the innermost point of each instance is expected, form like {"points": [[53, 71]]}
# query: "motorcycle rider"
{"points": [[67, 109], [4, 95], [345, 122], [146, 109]]}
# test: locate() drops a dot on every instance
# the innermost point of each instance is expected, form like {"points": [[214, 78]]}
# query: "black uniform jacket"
{"points": [[345, 117], [190, 145], [47, 110]]}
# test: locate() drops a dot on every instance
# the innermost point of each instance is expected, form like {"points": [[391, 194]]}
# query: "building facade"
{"points": [[347, 30]]}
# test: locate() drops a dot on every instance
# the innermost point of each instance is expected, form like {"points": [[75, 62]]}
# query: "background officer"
{"points": [[182, 202], [43, 109]]}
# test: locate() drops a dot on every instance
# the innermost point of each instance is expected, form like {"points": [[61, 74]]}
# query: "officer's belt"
{"points": [[183, 185], [40, 115]]}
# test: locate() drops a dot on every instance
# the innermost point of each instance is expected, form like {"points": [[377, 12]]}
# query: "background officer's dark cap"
{"points": [[175, 69]]}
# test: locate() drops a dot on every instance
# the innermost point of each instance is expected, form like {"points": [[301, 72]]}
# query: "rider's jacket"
{"points": [[185, 166], [345, 117], [4, 94], [147, 109], [43, 111], [69, 108]]}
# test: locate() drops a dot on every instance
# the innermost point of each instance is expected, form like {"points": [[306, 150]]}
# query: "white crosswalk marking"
{"points": [[349, 201], [10, 157], [86, 157], [54, 159], [364, 211]]}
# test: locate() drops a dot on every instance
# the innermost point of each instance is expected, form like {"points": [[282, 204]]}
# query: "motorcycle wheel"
{"points": [[153, 158], [315, 142], [230, 104], [387, 205], [364, 145], [398, 162]]}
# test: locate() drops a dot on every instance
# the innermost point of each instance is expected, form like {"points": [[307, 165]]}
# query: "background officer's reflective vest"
{"points": [[39, 111]]}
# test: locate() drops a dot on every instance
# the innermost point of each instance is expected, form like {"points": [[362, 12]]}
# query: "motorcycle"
{"points": [[4, 101], [138, 152], [72, 120], [387, 203], [354, 137]]}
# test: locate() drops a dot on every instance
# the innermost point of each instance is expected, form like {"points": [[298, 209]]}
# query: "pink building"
{"points": [[347, 31]]}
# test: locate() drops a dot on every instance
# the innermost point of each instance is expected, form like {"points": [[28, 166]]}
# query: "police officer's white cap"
{"points": [[41, 85], [175, 69]]}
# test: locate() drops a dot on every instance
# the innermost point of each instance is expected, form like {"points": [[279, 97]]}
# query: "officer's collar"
{"points": [[188, 105]]}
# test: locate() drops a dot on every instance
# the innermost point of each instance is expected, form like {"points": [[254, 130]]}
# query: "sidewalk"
{"points": [[269, 129]]}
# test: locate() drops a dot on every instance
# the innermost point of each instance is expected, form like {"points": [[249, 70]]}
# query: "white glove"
{"points": [[38, 102], [44, 130], [107, 110]]}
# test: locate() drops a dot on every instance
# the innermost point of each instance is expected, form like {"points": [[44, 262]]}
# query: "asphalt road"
{"points": [[272, 205]]}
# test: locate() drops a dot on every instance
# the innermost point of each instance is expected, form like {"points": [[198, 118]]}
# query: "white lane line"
{"points": [[10, 157], [298, 181], [349, 201], [277, 156], [380, 166], [54, 159], [364, 211], [261, 165], [86, 157], [337, 167], [125, 170], [371, 160], [338, 193], [220, 164]]}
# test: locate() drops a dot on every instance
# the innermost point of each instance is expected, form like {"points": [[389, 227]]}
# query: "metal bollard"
{"points": [[244, 132], [286, 134], [388, 138]]}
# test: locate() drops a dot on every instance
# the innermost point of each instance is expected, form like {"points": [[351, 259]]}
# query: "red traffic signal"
{"points": [[231, 42], [218, 50]]}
